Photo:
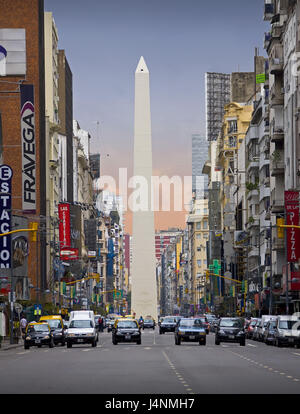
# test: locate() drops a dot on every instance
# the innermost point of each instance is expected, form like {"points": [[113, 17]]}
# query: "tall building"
{"points": [[199, 157], [144, 292]]}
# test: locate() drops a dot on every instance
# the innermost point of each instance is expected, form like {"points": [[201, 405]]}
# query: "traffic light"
{"points": [[207, 275], [280, 230], [33, 234]]}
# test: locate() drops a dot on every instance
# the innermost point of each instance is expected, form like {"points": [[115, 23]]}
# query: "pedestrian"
{"points": [[23, 324], [100, 324]]}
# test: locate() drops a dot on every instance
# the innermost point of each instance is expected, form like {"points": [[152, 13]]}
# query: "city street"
{"points": [[156, 366]]}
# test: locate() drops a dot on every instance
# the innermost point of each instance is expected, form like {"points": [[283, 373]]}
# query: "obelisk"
{"points": [[143, 277]]}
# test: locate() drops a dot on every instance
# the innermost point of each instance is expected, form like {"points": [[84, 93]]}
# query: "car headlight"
{"points": [[241, 333], [90, 334], [58, 333], [47, 337], [222, 332], [70, 334], [28, 338]]}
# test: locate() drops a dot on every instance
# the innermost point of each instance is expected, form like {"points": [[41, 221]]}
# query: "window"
{"points": [[205, 225], [198, 226], [199, 263], [198, 236]]}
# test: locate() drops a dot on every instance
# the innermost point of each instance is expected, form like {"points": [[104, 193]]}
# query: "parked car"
{"points": [[255, 329], [250, 328], [126, 330], [167, 325], [57, 327], [82, 330], [263, 325], [287, 331], [190, 330], [38, 334], [230, 330], [269, 333]]}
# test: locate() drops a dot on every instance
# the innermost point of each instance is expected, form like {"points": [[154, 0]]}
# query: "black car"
{"points": [[149, 324], [230, 330], [168, 324], [190, 330], [126, 330], [38, 334], [58, 331]]}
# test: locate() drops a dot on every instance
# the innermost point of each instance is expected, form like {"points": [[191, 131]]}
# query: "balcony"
{"points": [[254, 252], [276, 97], [253, 221], [277, 134], [278, 244], [277, 203], [269, 11], [252, 165], [264, 192], [253, 195], [277, 163], [276, 66]]}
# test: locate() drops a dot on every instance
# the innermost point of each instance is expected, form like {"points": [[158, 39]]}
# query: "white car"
{"points": [[82, 331]]}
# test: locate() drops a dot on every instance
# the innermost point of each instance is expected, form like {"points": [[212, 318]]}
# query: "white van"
{"points": [[86, 313], [287, 330]]}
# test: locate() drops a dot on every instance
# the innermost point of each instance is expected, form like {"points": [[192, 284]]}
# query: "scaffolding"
{"points": [[217, 93]]}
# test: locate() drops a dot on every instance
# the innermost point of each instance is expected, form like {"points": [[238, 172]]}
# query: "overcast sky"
{"points": [[180, 41]]}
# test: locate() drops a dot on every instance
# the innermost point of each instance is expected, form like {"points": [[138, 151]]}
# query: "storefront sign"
{"points": [[28, 149], [69, 254], [6, 174], [292, 218]]}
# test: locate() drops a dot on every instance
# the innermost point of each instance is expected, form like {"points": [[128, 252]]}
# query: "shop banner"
{"points": [[64, 225], [292, 218], [6, 174], [28, 143]]}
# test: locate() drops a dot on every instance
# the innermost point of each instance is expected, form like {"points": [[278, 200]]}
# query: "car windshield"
{"points": [[288, 325], [272, 325], [54, 323], [253, 323], [127, 324], [230, 323], [190, 323], [38, 328], [81, 324], [169, 320], [148, 321]]}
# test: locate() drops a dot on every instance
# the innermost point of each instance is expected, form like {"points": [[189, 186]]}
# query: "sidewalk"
{"points": [[5, 345]]}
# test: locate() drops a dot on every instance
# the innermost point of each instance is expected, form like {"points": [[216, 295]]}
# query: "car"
{"points": [[149, 323], [212, 320], [287, 331], [57, 327], [250, 328], [126, 330], [262, 326], [167, 325], [257, 326], [82, 330], [269, 333], [230, 330], [38, 334], [190, 330]]}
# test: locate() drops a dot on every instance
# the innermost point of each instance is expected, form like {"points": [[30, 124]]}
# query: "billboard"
{"points": [[28, 149], [291, 199], [12, 52], [75, 227]]}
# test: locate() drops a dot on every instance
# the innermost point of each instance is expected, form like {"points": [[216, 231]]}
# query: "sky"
{"points": [[180, 41]]}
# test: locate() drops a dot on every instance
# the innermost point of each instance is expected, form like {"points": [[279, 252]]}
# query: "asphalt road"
{"points": [[155, 367]]}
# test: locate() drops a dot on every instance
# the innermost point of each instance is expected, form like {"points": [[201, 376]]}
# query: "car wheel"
{"points": [[51, 344], [39, 346], [69, 345], [217, 341], [243, 343], [26, 346], [202, 342], [114, 341], [278, 344], [94, 343], [63, 343], [160, 332], [139, 342]]}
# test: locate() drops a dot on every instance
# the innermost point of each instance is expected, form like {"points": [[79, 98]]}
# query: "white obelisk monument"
{"points": [[143, 277]]}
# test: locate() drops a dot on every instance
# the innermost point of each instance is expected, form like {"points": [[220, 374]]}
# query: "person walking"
{"points": [[23, 324]]}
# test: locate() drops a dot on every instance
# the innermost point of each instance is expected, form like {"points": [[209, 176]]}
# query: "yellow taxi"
{"points": [[57, 327], [38, 334]]}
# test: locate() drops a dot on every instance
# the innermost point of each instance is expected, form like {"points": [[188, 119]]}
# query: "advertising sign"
{"points": [[292, 218], [6, 174], [28, 149], [68, 254], [75, 227], [64, 225]]}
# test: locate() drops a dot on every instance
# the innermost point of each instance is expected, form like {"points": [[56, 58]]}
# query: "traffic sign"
{"points": [[18, 307]]}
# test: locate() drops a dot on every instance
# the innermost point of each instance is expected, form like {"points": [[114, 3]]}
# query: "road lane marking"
{"points": [[179, 377], [295, 353], [253, 346]]}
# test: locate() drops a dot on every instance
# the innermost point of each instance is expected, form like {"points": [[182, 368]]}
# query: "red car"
{"points": [[251, 327]]}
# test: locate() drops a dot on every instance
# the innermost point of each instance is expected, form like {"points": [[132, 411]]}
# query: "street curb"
{"points": [[7, 348]]}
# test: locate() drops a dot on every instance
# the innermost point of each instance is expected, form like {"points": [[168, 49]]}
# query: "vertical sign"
{"points": [[64, 225], [6, 174], [292, 218], [28, 149]]}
